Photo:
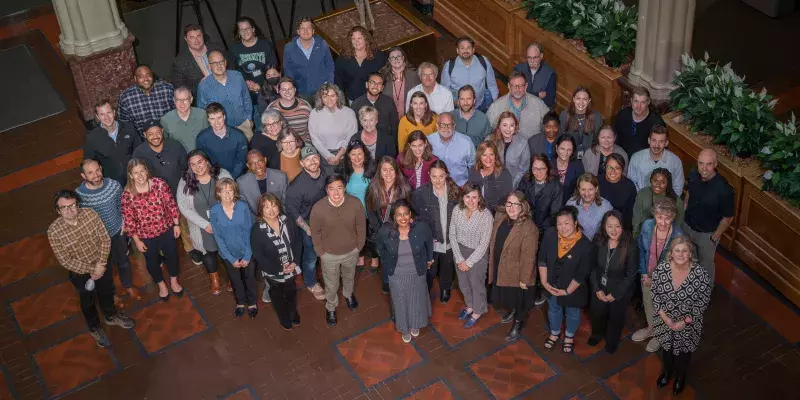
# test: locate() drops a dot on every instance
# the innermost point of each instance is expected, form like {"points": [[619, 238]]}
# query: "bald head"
{"points": [[707, 164], [217, 63]]}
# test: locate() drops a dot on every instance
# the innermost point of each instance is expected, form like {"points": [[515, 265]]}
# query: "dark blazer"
{"points": [[495, 187], [387, 113], [545, 79], [575, 265], [409, 172], [426, 205], [544, 204], [385, 146], [620, 276], [352, 77], [411, 79], [574, 170], [186, 72], [537, 144], [266, 254], [420, 239], [113, 156]]}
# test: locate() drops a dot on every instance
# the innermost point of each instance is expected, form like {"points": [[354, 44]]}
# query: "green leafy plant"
{"points": [[781, 158], [606, 27]]}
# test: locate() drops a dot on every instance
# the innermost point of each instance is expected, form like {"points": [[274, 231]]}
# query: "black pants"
{"points": [[445, 267], [243, 282], [119, 256], [284, 299], [210, 262], [103, 290], [608, 319], [165, 243], [678, 365]]}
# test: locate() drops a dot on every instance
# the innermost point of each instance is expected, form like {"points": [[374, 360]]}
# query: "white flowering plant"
{"points": [[781, 158], [606, 27]]}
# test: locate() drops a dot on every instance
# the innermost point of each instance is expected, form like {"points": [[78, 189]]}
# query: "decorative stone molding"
{"points": [[89, 26]]}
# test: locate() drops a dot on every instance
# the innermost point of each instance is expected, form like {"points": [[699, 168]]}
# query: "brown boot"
{"points": [[133, 293], [215, 285], [118, 303]]}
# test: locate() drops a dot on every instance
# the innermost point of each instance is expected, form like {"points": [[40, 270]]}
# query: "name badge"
{"points": [[257, 73], [263, 225], [603, 281], [208, 214]]}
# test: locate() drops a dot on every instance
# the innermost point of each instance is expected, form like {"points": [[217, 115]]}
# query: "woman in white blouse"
{"points": [[470, 232]]}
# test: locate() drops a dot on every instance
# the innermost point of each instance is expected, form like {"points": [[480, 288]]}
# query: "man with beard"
{"points": [[529, 109], [645, 161], [633, 124], [473, 69], [165, 157], [541, 76], [112, 142], [184, 122], [469, 120], [387, 112], [454, 148], [191, 64], [147, 99]]}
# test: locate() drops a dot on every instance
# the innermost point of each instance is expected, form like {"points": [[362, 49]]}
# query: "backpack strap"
{"points": [[451, 65]]}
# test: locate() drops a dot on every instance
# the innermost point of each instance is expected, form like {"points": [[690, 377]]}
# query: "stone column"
{"points": [[98, 48], [663, 34]]}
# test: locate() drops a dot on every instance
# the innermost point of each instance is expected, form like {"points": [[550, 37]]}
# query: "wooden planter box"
{"points": [[765, 229], [396, 26], [489, 22], [573, 67]]}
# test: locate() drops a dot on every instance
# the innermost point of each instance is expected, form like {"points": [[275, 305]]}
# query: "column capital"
{"points": [[89, 26]]}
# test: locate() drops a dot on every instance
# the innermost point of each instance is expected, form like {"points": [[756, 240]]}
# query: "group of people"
{"points": [[366, 161]]}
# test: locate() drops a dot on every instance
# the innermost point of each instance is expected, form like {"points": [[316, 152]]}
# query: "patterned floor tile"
{"points": [[378, 353], [639, 382], [512, 370], [72, 363], [45, 308], [25, 257], [163, 324], [437, 391], [444, 319]]}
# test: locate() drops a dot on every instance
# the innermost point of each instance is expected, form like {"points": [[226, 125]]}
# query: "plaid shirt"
{"points": [[134, 106], [78, 248]]}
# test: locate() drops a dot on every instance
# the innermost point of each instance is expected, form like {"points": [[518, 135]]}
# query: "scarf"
{"points": [[565, 244], [281, 241]]}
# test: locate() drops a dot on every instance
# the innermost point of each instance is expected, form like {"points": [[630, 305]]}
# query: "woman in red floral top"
{"points": [[151, 219]]}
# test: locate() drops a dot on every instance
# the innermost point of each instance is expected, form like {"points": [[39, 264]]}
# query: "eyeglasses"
{"points": [[428, 75], [180, 100], [289, 141], [248, 29], [373, 83], [273, 124], [217, 63], [396, 58], [539, 169], [443, 125], [512, 204], [517, 86], [71, 207], [613, 169], [530, 58]]}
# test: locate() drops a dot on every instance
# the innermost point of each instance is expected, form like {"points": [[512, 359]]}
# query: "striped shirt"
{"points": [[296, 117], [590, 219], [80, 247], [137, 107], [474, 232], [106, 202]]}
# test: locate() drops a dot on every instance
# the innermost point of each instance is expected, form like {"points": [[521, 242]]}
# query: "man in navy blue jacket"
{"points": [[307, 59], [224, 144], [541, 77]]}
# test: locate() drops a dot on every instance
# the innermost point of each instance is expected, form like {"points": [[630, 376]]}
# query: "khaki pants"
{"points": [[647, 301], [186, 239], [247, 128], [706, 249], [333, 267]]}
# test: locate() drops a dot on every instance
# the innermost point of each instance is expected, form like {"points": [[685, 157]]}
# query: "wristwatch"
{"points": [[711, 238]]}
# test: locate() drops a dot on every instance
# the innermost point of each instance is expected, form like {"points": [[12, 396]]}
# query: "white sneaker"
{"points": [[317, 291], [415, 332], [641, 335], [265, 296], [653, 345], [407, 338]]}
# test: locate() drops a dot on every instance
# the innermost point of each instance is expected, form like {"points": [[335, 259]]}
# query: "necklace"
{"points": [[397, 90]]}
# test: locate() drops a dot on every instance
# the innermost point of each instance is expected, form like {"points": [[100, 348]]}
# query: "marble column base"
{"points": [[659, 92], [102, 75]]}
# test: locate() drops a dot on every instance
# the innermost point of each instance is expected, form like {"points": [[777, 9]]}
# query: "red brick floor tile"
{"points": [[512, 370], [444, 319], [243, 394], [45, 308], [378, 353], [166, 323], [638, 381], [72, 363], [437, 391], [25, 257]]}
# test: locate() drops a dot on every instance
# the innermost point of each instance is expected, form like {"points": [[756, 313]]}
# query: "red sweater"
{"points": [[409, 172], [148, 215]]}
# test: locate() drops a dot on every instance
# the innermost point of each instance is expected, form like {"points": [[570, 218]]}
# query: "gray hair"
{"points": [[182, 88], [448, 114], [665, 206], [274, 114], [426, 65], [537, 45], [363, 111], [325, 88]]}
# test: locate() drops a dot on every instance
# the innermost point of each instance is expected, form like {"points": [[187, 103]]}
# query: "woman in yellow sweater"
{"points": [[418, 118]]}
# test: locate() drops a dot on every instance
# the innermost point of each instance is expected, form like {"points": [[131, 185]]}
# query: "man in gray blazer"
{"points": [[260, 179]]}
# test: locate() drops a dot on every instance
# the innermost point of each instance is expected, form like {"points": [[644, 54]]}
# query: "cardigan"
{"points": [[544, 80], [426, 205], [620, 278], [264, 251], [352, 77], [544, 203], [582, 140], [405, 127], [575, 265], [494, 188], [420, 239], [518, 255], [529, 118], [409, 172], [517, 158], [411, 79], [308, 73], [384, 146], [591, 160], [233, 234], [195, 221]]}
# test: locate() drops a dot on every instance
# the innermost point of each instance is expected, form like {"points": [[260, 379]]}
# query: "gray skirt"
{"points": [[411, 303]]}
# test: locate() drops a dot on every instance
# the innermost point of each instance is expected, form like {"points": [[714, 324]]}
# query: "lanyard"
{"points": [[609, 255]]}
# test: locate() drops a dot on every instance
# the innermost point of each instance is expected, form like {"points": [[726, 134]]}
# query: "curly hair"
{"points": [[498, 163], [189, 176], [370, 47], [325, 88]]}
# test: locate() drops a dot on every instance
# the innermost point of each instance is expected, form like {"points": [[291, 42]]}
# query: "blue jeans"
{"points": [[309, 262], [555, 314]]}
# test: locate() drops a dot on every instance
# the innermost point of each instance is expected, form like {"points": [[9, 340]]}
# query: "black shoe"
{"points": [[611, 349], [385, 288], [286, 326], [252, 311], [330, 317], [678, 385], [515, 331], [197, 257], [508, 317], [663, 379], [594, 341], [445, 297], [296, 319], [179, 294], [352, 303], [540, 298], [238, 312], [165, 298]]}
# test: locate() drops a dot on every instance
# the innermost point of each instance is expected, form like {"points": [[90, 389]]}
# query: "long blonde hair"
{"points": [[133, 163]]}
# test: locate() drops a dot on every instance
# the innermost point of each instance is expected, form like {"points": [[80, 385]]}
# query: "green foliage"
{"points": [[606, 27], [781, 156]]}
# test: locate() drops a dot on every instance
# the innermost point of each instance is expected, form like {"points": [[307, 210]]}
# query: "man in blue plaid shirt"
{"points": [[146, 100]]}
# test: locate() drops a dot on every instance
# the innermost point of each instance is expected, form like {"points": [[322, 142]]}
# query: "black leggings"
{"points": [[677, 364], [210, 262], [243, 282], [284, 299], [164, 243], [445, 267]]}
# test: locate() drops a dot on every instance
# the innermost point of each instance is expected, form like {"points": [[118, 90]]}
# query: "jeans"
{"points": [[165, 243], [555, 315], [119, 255], [309, 263], [103, 289]]}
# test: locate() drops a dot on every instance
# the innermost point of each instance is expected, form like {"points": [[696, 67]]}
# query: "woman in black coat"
{"points": [[377, 141], [611, 280], [617, 188], [566, 167], [427, 201], [565, 259], [277, 248], [542, 191]]}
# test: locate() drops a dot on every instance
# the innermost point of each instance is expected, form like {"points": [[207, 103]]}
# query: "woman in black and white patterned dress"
{"points": [[681, 293]]}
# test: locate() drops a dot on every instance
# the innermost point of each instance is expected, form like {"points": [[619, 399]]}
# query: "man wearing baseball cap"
{"points": [[165, 157], [304, 191]]}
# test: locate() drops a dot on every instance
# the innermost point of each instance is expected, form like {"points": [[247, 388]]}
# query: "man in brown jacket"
{"points": [[338, 230]]}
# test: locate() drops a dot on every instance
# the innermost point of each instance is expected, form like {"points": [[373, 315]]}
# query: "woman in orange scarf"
{"points": [[565, 259]]}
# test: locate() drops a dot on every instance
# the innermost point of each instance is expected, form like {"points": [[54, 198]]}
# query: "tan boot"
{"points": [[215, 284]]}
